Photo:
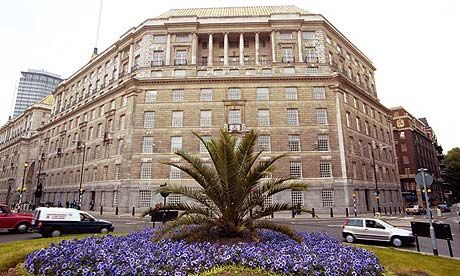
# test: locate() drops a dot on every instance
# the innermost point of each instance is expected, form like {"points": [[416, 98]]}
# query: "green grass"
{"points": [[399, 262]]}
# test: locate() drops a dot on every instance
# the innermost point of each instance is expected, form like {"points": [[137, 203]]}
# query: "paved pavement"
{"points": [[304, 222]]}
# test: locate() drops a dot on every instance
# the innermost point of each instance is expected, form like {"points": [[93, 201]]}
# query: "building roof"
{"points": [[234, 11]]}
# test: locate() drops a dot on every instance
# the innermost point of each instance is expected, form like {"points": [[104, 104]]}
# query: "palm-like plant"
{"points": [[228, 192]]}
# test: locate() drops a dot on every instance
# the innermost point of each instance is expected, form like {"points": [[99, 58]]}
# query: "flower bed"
{"points": [[136, 254]]}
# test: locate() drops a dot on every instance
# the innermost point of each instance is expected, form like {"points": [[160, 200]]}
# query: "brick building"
{"points": [[416, 147], [283, 71]]}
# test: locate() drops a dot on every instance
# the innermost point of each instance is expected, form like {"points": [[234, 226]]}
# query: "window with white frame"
{"points": [[325, 169], [290, 93], [144, 198], [262, 94], [285, 35], [115, 199], [105, 175], [117, 171], [358, 124], [146, 170], [319, 93], [147, 144], [264, 143], [120, 147], [327, 197], [234, 116], [205, 118], [366, 127], [311, 54], [234, 93], [178, 95], [122, 122], [177, 119], [159, 39], [176, 143], [124, 100], [308, 35], [294, 142], [347, 118], [268, 201], [94, 175], [174, 173], [182, 38], [149, 119], [296, 198], [355, 102], [321, 116], [150, 96], [295, 169], [323, 142], [205, 138], [263, 117], [293, 116], [206, 95], [174, 199]]}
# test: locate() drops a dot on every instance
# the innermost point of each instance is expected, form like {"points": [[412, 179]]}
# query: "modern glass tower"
{"points": [[34, 85]]}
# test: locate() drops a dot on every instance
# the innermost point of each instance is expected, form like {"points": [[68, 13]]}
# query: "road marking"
{"points": [[334, 225]]}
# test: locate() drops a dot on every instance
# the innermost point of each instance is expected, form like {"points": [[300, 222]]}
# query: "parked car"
{"points": [[444, 208], [14, 222], [415, 210], [375, 230], [51, 221]]}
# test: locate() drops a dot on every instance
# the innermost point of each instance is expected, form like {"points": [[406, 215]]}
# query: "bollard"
{"points": [[385, 210], [273, 215], [356, 213], [293, 213], [134, 211], [395, 210], [312, 212], [332, 213], [391, 213], [373, 210], [399, 210], [101, 210], [116, 210], [346, 212]]}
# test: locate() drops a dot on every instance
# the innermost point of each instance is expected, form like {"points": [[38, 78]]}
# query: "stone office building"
{"points": [[285, 72]]}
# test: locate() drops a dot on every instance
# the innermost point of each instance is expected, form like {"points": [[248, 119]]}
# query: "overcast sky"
{"points": [[413, 44]]}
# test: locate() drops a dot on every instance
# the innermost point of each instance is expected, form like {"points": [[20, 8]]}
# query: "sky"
{"points": [[413, 44]]}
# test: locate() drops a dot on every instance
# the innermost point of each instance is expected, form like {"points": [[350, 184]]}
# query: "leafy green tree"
{"points": [[452, 162], [230, 198]]}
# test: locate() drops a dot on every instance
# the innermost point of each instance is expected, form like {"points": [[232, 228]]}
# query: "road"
{"points": [[332, 226]]}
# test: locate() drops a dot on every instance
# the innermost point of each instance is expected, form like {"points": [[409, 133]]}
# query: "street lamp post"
{"points": [[81, 146], [164, 195], [39, 191], [21, 191]]}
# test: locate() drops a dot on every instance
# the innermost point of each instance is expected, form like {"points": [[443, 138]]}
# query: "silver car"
{"points": [[375, 230]]}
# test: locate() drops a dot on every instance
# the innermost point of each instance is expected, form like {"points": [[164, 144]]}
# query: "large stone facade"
{"points": [[285, 72]]}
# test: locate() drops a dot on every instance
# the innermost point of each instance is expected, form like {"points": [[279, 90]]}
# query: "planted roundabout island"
{"points": [[216, 228]]}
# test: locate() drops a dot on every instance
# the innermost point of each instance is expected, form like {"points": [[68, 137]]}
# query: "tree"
{"points": [[235, 184], [452, 162]]}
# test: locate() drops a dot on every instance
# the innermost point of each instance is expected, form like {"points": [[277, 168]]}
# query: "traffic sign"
{"points": [[428, 179]]}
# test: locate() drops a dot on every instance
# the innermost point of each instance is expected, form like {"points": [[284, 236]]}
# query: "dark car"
{"points": [[54, 222], [444, 208]]}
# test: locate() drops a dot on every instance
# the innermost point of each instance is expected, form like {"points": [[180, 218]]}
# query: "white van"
{"points": [[54, 222]]}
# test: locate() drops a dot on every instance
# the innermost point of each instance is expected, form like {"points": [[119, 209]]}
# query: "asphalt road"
{"points": [[332, 226]]}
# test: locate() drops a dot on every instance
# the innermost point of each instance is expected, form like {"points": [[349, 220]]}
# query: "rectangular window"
{"points": [[174, 199], [176, 143], [147, 144], [144, 198], [205, 118], [181, 57], [124, 100], [325, 169], [206, 95], [146, 170], [205, 138], [293, 116], [295, 169], [234, 94], [122, 122], [182, 38], [319, 93], [311, 55], [347, 117], [234, 116], [294, 142], [327, 197], [101, 111], [403, 147], [321, 116], [286, 55], [150, 96], [290, 93], [309, 35], [285, 35], [158, 57], [178, 95], [177, 119], [120, 147], [262, 94], [117, 171], [296, 198], [358, 124], [264, 143], [174, 173], [263, 117], [149, 119], [323, 142], [159, 39], [105, 173]]}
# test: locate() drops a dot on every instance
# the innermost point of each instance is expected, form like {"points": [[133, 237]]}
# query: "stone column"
{"points": [[168, 50], [210, 46], [272, 42], [131, 57], [241, 49], [194, 47], [257, 49], [299, 45], [226, 49]]}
